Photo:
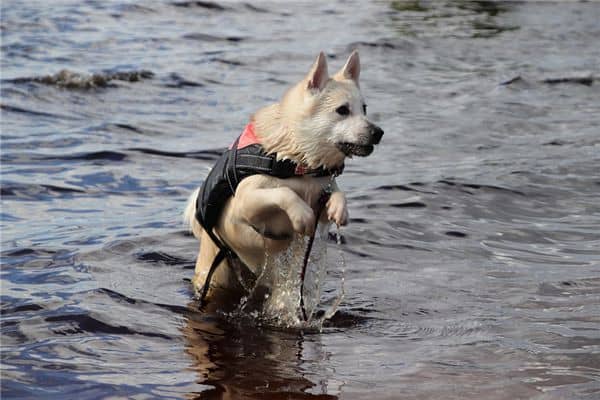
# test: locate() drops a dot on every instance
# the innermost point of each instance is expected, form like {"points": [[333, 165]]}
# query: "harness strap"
{"points": [[246, 163], [231, 167], [267, 164], [257, 161], [224, 252], [213, 267]]}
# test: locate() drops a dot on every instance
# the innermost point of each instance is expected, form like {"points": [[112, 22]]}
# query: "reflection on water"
{"points": [[243, 361], [472, 267]]}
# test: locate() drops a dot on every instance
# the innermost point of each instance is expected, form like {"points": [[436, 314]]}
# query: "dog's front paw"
{"points": [[336, 209], [302, 218]]}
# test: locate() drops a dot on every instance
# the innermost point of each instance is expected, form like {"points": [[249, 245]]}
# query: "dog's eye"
{"points": [[365, 109], [343, 110]]}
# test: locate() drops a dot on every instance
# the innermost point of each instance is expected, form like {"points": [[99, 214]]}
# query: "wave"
{"points": [[75, 80], [209, 5], [213, 6], [464, 186], [83, 322], [586, 80], [26, 158], [160, 257], [384, 44], [209, 155], [110, 155], [21, 110], [177, 81], [205, 37], [33, 191]]}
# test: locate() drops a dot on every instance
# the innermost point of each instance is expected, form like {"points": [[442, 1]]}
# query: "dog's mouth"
{"points": [[354, 149]]}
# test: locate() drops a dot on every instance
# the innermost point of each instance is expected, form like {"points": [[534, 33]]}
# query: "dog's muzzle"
{"points": [[376, 133], [359, 149]]}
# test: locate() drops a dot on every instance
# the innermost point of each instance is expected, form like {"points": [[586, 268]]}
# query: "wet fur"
{"points": [[304, 127]]}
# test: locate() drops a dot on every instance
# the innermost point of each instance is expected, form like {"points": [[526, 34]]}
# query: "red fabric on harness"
{"points": [[248, 137]]}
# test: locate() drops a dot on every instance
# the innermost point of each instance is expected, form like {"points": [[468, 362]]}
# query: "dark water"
{"points": [[472, 257]]}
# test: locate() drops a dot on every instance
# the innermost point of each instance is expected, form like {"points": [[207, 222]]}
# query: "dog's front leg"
{"points": [[337, 210], [336, 207], [275, 211]]}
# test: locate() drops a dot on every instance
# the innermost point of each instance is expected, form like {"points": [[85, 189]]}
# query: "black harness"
{"points": [[221, 183]]}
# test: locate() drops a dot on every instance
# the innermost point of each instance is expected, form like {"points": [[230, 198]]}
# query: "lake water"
{"points": [[472, 258]]}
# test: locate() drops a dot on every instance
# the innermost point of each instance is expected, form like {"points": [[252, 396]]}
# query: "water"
{"points": [[472, 261], [281, 297]]}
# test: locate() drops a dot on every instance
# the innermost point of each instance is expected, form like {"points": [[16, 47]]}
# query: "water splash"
{"points": [[275, 297], [333, 308]]}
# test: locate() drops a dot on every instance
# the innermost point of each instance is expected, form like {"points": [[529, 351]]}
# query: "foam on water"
{"points": [[74, 80]]}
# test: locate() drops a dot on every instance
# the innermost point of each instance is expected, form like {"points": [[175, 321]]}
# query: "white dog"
{"points": [[270, 185]]}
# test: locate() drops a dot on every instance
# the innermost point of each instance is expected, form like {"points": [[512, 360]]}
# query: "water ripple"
{"points": [[471, 257]]}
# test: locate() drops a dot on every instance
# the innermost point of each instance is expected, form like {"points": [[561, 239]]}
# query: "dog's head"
{"points": [[328, 115]]}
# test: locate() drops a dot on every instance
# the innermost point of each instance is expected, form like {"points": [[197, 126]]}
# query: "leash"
{"points": [[325, 195]]}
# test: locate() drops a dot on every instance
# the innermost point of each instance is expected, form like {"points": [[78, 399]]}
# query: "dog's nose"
{"points": [[376, 134]]}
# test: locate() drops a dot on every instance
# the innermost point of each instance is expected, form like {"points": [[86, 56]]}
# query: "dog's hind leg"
{"points": [[206, 255]]}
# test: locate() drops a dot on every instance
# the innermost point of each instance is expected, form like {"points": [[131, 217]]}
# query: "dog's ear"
{"points": [[318, 75], [351, 69]]}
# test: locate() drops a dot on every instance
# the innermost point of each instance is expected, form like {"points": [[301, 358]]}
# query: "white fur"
{"points": [[189, 215], [306, 128]]}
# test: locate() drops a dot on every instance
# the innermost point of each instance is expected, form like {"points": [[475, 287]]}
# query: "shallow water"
{"points": [[472, 261]]}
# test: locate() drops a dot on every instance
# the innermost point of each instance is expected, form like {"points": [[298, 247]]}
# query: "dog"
{"points": [[297, 147]]}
